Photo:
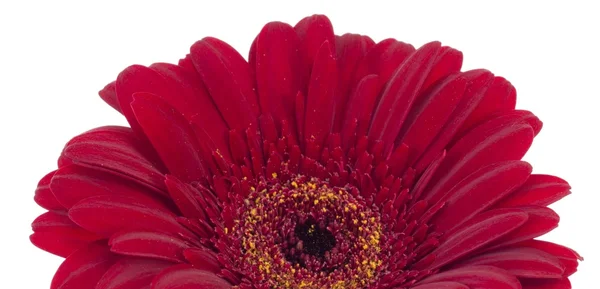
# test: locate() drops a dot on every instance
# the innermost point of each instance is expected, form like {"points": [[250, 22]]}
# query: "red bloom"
{"points": [[323, 162]]}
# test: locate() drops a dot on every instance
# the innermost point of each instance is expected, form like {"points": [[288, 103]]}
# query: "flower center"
{"points": [[299, 232]]}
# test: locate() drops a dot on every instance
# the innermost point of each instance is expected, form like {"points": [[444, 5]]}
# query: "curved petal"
{"points": [[227, 77], [44, 196], [479, 191], [187, 277], [171, 135], [106, 215], [57, 234], [109, 95], [501, 139], [148, 244], [276, 65], [350, 50], [541, 220], [185, 197], [521, 262], [398, 96], [474, 234], [442, 285], [538, 190], [73, 183], [312, 32], [132, 273], [84, 268], [117, 150], [477, 277], [568, 258]]}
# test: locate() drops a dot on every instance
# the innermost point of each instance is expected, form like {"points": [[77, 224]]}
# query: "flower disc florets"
{"points": [[300, 232]]}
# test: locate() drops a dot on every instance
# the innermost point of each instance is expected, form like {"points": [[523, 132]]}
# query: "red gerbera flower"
{"points": [[323, 162]]}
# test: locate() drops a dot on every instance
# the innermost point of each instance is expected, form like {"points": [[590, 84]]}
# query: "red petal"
{"points": [[441, 285], [500, 97], [109, 95], [57, 234], [501, 139], [538, 190], [319, 101], [72, 184], [521, 262], [541, 220], [227, 77], [108, 214], [448, 61], [563, 283], [171, 135], [148, 244], [478, 82], [132, 273], [117, 150], [430, 114], [44, 196], [203, 259], [476, 233], [276, 67], [184, 196], [477, 277], [360, 108], [383, 59], [312, 31], [350, 50], [84, 268], [400, 92], [568, 258], [186, 277], [187, 94], [479, 191]]}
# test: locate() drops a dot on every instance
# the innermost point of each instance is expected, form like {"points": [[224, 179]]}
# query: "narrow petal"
{"points": [[442, 285], [350, 50], [187, 94], [563, 283], [430, 114], [538, 190], [106, 215], [132, 273], [57, 234], [187, 277], [477, 277], [227, 77], [148, 244], [521, 262], [360, 108], [312, 32], [568, 258], [400, 92], [185, 197], [119, 151], [501, 139], [171, 135], [478, 82], [203, 259], [500, 97], [84, 268], [276, 67], [44, 196], [383, 59], [540, 221], [448, 62], [109, 95], [479, 191], [319, 101], [476, 233], [73, 183]]}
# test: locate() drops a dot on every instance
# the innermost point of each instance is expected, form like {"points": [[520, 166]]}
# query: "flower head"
{"points": [[322, 162]]}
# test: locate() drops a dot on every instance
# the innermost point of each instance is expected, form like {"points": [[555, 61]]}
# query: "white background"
{"points": [[56, 55]]}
